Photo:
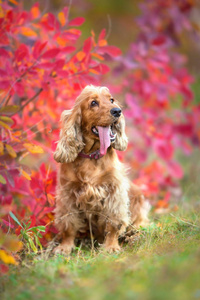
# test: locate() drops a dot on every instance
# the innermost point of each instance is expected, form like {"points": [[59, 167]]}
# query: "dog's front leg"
{"points": [[67, 243], [111, 243]]}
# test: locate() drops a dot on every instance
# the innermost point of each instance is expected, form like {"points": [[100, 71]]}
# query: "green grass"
{"points": [[162, 262]]}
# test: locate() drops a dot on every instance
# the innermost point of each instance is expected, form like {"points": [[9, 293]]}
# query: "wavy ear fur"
{"points": [[71, 141], [121, 140]]}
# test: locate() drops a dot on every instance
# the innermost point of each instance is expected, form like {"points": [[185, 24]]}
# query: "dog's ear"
{"points": [[71, 141], [121, 140]]}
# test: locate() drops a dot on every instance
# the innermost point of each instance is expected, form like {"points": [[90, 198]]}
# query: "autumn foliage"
{"points": [[43, 66]]}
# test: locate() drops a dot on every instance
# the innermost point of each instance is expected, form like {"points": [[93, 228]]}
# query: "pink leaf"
{"points": [[175, 169], [163, 148]]}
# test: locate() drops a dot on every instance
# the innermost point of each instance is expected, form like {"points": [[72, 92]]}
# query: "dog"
{"points": [[93, 190]]}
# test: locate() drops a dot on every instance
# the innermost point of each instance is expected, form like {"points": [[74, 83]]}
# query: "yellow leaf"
{"points": [[33, 148], [28, 32], [102, 43], [80, 55], [2, 124], [2, 179], [1, 147], [6, 258], [6, 119], [11, 151], [26, 175], [61, 18]]}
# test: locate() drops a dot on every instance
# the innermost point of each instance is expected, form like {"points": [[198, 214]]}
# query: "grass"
{"points": [[161, 262]]}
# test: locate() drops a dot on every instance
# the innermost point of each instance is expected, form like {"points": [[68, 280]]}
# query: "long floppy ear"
{"points": [[71, 141], [121, 140]]}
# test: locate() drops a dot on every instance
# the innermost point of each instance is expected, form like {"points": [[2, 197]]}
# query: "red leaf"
{"points": [[102, 35], [59, 64], [159, 40], [21, 52], [46, 65], [4, 53], [3, 269], [52, 53], [38, 49], [68, 49], [3, 73], [87, 45], [77, 21], [102, 68], [4, 84], [111, 50]]}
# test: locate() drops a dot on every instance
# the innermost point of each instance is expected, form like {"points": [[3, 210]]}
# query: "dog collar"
{"points": [[94, 155]]}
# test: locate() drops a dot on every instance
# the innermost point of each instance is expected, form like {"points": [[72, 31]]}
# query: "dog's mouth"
{"points": [[112, 134], [106, 136]]}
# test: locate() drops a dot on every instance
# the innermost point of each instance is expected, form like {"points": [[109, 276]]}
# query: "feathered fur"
{"points": [[89, 190]]}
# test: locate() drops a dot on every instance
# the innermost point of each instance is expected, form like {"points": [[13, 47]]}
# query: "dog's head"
{"points": [[96, 119]]}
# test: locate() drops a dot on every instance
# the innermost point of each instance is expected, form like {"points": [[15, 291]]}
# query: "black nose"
{"points": [[116, 112]]}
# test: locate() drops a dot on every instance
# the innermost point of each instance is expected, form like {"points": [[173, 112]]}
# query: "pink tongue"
{"points": [[104, 136]]}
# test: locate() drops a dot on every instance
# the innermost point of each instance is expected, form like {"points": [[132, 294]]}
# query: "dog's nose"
{"points": [[116, 112]]}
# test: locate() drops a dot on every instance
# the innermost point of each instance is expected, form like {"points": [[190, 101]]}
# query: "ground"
{"points": [[160, 262]]}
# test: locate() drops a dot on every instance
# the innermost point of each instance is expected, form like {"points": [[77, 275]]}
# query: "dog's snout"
{"points": [[116, 112]]}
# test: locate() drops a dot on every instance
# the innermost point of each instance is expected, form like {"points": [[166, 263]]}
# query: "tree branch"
{"points": [[31, 99]]}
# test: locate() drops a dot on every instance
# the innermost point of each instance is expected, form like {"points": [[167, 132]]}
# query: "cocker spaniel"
{"points": [[93, 191]]}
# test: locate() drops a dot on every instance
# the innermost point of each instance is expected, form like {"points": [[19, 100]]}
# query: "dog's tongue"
{"points": [[104, 136]]}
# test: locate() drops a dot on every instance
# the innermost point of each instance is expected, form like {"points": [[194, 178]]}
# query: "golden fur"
{"points": [[94, 192]]}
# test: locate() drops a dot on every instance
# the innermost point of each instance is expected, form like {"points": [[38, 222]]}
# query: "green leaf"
{"points": [[15, 219], [39, 234], [37, 228], [32, 245], [9, 109], [41, 228], [2, 179], [38, 242]]}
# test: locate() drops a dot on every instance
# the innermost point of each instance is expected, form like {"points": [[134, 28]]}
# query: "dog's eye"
{"points": [[94, 103], [111, 100]]}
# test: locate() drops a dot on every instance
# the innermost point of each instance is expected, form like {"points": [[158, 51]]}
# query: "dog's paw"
{"points": [[64, 249], [112, 248]]}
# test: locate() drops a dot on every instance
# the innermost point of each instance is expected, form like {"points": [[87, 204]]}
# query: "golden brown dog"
{"points": [[93, 188]]}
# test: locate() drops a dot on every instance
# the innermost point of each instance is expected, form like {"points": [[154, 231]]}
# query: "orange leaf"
{"points": [[28, 32], [61, 18], [98, 56], [35, 12], [1, 148], [94, 71], [14, 2], [80, 55], [102, 43]]}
